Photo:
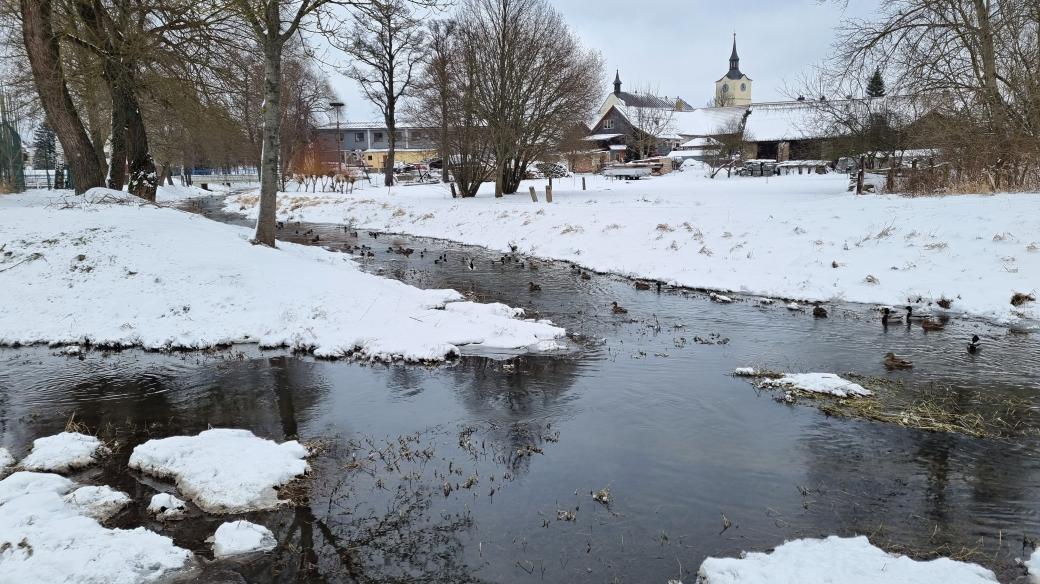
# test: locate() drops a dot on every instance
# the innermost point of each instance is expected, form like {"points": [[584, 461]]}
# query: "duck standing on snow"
{"points": [[973, 347], [893, 362]]}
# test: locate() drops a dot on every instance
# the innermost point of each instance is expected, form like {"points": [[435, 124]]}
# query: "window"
{"points": [[608, 125], [743, 86], [370, 157], [359, 136], [379, 137]]}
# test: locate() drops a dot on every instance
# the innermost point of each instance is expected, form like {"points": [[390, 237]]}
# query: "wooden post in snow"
{"points": [[548, 193], [454, 194], [583, 183], [534, 194]]}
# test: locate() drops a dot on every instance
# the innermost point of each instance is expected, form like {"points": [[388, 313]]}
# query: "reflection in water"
{"points": [[459, 473]]}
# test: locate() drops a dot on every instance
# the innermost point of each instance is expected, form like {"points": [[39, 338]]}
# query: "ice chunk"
{"points": [[166, 507], [50, 538], [224, 470], [242, 537], [98, 502], [64, 452]]}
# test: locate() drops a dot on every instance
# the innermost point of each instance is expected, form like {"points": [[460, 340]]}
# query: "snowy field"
{"points": [[798, 237], [113, 273]]}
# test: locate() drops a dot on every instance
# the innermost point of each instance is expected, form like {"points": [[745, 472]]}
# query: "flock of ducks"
{"points": [[889, 316]]}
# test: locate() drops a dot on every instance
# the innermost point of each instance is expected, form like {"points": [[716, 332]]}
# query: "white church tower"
{"points": [[735, 88]]}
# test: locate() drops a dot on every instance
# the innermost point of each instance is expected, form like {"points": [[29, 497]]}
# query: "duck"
{"points": [[973, 347], [471, 266], [533, 287], [617, 308], [585, 276], [911, 316], [642, 285], [316, 239], [932, 325], [819, 312], [889, 317], [893, 362], [658, 287]]}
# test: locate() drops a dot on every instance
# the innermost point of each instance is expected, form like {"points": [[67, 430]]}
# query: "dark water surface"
{"points": [[469, 472]]}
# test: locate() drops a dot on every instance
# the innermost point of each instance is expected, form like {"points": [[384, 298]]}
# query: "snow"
{"points": [[826, 383], [177, 193], [745, 372], [64, 452], [166, 507], [6, 459], [224, 470], [46, 538], [775, 236], [135, 274], [833, 560], [1033, 567], [242, 537], [98, 502]]}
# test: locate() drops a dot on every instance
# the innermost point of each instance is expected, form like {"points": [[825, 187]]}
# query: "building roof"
{"points": [[602, 137], [368, 126]]}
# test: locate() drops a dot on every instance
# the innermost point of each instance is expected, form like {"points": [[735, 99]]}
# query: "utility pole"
{"points": [[336, 105]]}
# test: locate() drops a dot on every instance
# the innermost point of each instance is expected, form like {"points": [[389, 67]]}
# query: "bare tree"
{"points": [[725, 149], [433, 87], [534, 80], [44, 55], [386, 43], [970, 63]]}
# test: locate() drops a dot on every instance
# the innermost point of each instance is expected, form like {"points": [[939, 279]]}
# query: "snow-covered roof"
{"points": [[618, 147], [368, 126], [602, 137], [704, 142], [796, 120]]}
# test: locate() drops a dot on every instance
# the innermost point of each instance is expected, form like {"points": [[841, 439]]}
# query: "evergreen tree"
{"points": [[45, 149], [876, 85]]}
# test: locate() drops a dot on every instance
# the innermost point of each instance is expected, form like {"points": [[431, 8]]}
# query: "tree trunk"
{"points": [[391, 151], [117, 163], [143, 181], [271, 146], [444, 133], [45, 61]]}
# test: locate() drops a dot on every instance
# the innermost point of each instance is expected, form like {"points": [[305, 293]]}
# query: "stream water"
{"points": [[483, 470]]}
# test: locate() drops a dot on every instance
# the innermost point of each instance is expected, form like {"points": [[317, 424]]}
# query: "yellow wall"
{"points": [[376, 159]]}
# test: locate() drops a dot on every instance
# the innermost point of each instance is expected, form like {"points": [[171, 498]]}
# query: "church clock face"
{"points": [[743, 86], [725, 88]]}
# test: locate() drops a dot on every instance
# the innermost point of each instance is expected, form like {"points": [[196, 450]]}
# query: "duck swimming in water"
{"points": [[888, 317], [617, 308], [891, 361], [973, 347]]}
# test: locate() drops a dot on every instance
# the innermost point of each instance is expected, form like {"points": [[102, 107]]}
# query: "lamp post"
{"points": [[339, 138]]}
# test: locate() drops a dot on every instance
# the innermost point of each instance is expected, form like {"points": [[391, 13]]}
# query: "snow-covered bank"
{"points": [[849, 561], [47, 535], [801, 237], [242, 537], [224, 470], [136, 275]]}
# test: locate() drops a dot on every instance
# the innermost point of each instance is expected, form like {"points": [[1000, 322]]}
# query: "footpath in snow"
{"points": [[107, 270], [801, 237]]}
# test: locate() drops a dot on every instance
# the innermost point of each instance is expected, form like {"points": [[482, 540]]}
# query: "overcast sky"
{"points": [[681, 47]]}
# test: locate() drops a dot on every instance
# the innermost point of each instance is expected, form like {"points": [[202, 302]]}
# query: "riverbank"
{"points": [[795, 237], [107, 270]]}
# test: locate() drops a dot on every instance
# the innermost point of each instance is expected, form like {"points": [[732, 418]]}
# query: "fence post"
{"points": [[454, 194], [859, 175], [548, 193], [534, 194], [583, 183]]}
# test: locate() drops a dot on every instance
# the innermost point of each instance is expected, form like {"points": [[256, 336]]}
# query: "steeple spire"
{"points": [[734, 58], [617, 82]]}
